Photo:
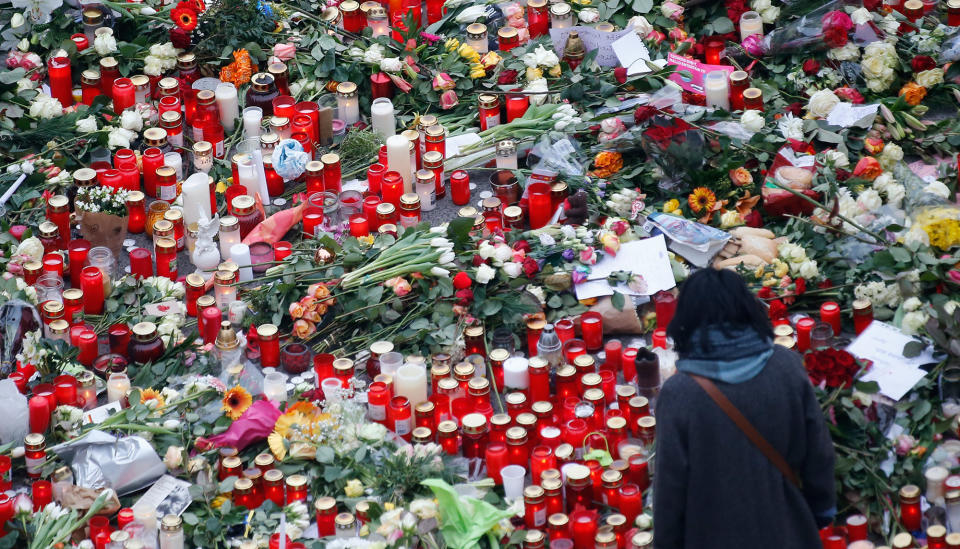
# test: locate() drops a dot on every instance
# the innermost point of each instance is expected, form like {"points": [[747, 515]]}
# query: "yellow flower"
{"points": [[222, 187], [467, 52], [780, 268], [555, 71], [277, 446], [770, 282], [389, 506], [671, 205], [451, 44], [219, 501], [533, 73], [476, 71], [701, 199], [236, 401], [151, 394], [353, 489], [366, 240], [759, 272]]}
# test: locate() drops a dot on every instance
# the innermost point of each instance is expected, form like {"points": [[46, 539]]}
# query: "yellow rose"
{"points": [[759, 272], [780, 268], [555, 71], [769, 282], [353, 489], [533, 73], [389, 506], [477, 71], [466, 51], [490, 60], [451, 44]]}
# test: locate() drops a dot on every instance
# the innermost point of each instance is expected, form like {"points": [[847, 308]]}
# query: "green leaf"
{"points": [[325, 454], [555, 302], [9, 77], [913, 349], [869, 387], [618, 300], [642, 6], [722, 25], [190, 519], [901, 255], [492, 307]]}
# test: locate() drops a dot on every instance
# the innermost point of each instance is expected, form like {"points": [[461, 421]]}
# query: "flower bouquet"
{"points": [[827, 27], [677, 148], [831, 368], [103, 216]]}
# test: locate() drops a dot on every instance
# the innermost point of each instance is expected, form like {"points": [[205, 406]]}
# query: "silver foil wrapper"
{"points": [[100, 460]]}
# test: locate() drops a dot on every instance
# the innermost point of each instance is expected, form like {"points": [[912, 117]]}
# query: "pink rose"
{"points": [[400, 286], [904, 444], [954, 276], [303, 329], [754, 44], [442, 81], [512, 10], [285, 51], [672, 10], [449, 100], [836, 19], [655, 36], [588, 256]]}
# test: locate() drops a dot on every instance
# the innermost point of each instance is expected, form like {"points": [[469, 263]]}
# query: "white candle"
{"points": [[229, 235], [173, 160], [411, 382], [240, 254], [398, 159], [257, 155], [515, 373], [247, 172], [196, 198], [275, 387], [382, 117], [226, 95], [117, 386], [717, 90], [348, 105], [935, 476], [750, 23], [252, 116]]}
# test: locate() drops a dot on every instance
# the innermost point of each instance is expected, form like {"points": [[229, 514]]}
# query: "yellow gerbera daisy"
{"points": [[152, 394], [236, 401], [701, 199]]}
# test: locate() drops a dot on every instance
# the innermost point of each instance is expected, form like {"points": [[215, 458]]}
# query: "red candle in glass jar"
{"points": [[862, 315], [58, 212], [830, 314], [391, 188], [302, 123], [496, 459], [65, 389], [534, 507], [460, 187], [323, 366], [282, 250], [312, 220], [311, 109], [564, 329], [296, 489], [42, 492], [613, 350], [141, 263], [856, 527], [591, 323], [517, 105], [359, 225], [124, 95], [399, 417], [538, 18], [584, 530], [666, 306], [326, 508], [375, 177], [378, 398], [630, 502], [166, 251], [91, 282], [911, 516], [804, 327], [381, 86], [269, 340], [540, 204], [541, 459], [119, 336], [712, 48], [61, 82], [370, 204], [435, 11], [89, 347], [39, 414], [539, 372], [78, 250]]}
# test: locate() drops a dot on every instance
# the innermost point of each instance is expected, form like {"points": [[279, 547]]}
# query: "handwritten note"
{"points": [[593, 40], [101, 413], [632, 53], [693, 81], [647, 258], [848, 115], [883, 344]]}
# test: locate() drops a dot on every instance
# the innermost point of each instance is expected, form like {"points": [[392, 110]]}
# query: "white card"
{"points": [[632, 53], [883, 344]]}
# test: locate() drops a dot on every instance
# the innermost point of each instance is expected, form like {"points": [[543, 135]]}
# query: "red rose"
{"points": [[753, 219], [850, 94], [777, 310], [643, 113], [508, 76], [842, 174], [464, 297], [765, 293], [872, 5], [180, 38], [462, 281], [796, 109], [620, 73], [530, 267], [825, 284], [477, 260], [522, 246], [921, 63], [835, 37], [801, 285], [811, 67]]}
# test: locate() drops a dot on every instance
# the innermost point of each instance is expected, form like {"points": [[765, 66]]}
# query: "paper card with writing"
{"points": [[101, 413], [632, 53], [847, 115], [164, 308], [592, 40], [169, 496], [883, 344], [693, 81]]}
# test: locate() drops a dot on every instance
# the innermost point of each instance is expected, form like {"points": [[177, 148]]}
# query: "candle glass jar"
{"points": [[145, 345], [262, 92], [489, 106], [475, 436]]}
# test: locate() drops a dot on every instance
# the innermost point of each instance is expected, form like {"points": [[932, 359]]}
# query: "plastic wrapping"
{"points": [[823, 28], [934, 219], [289, 159], [552, 157], [695, 242], [677, 148], [17, 318], [16, 413], [100, 460]]}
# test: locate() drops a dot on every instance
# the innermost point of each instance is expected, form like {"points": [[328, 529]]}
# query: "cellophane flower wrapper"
{"points": [[561, 156], [823, 28], [932, 217], [99, 460], [677, 148], [779, 202]]}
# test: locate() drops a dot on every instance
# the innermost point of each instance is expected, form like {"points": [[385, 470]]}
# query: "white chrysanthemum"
{"points": [[790, 127]]}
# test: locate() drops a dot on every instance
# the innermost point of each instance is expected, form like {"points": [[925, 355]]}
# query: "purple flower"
{"points": [[568, 254]]}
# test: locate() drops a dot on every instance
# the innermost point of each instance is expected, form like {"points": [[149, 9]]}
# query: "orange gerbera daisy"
{"points": [[236, 401], [151, 394], [701, 199]]}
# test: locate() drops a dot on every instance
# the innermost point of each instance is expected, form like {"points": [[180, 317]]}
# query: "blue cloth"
{"points": [[731, 354], [289, 159]]}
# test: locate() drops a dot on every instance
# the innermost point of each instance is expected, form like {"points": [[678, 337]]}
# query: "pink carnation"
{"points": [[285, 51]]}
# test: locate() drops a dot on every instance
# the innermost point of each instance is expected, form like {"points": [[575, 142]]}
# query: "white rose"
{"points": [[538, 85], [911, 304], [937, 188], [17, 20], [513, 269], [486, 250], [822, 102], [878, 85], [372, 432], [87, 125], [760, 5], [808, 269], [502, 253], [44, 106], [885, 51], [838, 158], [485, 273], [152, 66], [873, 67], [895, 195], [892, 152], [120, 138], [23, 44], [423, 508], [31, 247], [25, 84], [770, 15], [848, 52], [640, 24], [861, 16], [173, 459], [869, 200], [883, 181], [374, 54], [588, 15], [131, 120], [147, 10], [913, 322], [752, 120], [105, 44], [930, 78], [950, 306], [391, 64]]}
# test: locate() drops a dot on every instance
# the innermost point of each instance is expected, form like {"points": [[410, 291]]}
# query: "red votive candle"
{"points": [[856, 527], [591, 323], [359, 226], [91, 281], [78, 250], [391, 188], [613, 350], [61, 83], [460, 187], [141, 263], [282, 250], [712, 48], [496, 459], [804, 327], [666, 305], [89, 347], [42, 491], [119, 337], [124, 517], [630, 502], [65, 389], [830, 314], [53, 263], [584, 530], [39, 413], [124, 95]]}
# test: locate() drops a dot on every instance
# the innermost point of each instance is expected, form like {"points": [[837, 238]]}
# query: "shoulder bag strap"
{"points": [[748, 429]]}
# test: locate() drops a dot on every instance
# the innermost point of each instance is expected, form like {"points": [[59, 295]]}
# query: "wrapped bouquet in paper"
{"points": [[677, 148], [790, 171]]}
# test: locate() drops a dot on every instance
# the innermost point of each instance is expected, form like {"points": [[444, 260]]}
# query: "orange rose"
{"points": [[296, 310], [913, 93], [867, 168], [741, 177], [332, 86], [873, 145], [303, 329]]}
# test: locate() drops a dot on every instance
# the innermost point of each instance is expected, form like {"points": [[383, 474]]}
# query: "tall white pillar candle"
{"points": [[257, 155], [382, 117], [411, 382], [252, 116], [196, 198], [227, 105], [240, 254], [398, 159], [515, 373], [174, 160], [750, 23], [717, 90]]}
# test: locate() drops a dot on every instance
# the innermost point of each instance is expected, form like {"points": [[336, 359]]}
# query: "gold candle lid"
{"points": [[346, 89], [476, 31]]}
